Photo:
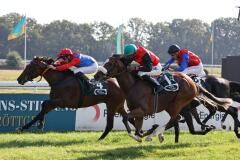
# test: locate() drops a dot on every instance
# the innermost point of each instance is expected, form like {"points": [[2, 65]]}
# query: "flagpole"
{"points": [[25, 44], [212, 41]]}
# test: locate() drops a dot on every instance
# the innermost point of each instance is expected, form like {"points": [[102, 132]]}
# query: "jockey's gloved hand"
{"points": [[51, 67]]}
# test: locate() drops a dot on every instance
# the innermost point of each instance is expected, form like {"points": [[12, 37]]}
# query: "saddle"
{"points": [[168, 82]]}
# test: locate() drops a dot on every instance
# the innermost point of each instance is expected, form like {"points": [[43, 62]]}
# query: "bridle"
{"points": [[43, 73], [107, 75]]}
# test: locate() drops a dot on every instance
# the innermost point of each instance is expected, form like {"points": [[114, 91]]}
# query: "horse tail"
{"points": [[234, 90], [225, 102]]}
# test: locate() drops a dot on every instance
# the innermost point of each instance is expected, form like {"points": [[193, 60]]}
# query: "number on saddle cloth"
{"points": [[91, 87], [168, 82], [99, 88]]}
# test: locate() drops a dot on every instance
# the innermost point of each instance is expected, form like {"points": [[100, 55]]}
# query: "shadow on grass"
{"points": [[41, 143], [133, 152]]}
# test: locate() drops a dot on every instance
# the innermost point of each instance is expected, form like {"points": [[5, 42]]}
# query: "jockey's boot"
{"points": [[158, 87], [85, 79]]}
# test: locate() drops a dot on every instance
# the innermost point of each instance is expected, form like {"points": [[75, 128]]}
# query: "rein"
{"points": [[45, 71]]}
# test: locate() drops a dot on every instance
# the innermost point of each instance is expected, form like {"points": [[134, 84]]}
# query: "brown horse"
{"points": [[66, 92], [140, 97]]}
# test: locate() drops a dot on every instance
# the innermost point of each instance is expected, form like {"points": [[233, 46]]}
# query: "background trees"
{"points": [[99, 38]]}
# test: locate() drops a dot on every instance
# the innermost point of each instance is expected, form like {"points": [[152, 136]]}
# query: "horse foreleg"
{"points": [[28, 125], [223, 120], [138, 114], [125, 120], [196, 116], [212, 111], [46, 107], [189, 121]]}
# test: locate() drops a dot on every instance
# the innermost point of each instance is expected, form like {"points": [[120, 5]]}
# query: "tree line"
{"points": [[98, 39]]}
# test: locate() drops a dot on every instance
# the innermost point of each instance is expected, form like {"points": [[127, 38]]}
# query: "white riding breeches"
{"points": [[156, 71], [85, 70], [197, 70]]}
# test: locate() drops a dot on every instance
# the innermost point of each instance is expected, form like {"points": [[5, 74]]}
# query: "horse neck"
{"points": [[126, 81], [53, 77]]}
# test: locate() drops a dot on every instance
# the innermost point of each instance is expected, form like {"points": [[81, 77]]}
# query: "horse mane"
{"points": [[47, 60], [126, 61]]}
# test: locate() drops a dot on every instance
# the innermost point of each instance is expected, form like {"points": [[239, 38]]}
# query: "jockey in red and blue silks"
{"points": [[79, 63], [148, 61], [189, 63]]}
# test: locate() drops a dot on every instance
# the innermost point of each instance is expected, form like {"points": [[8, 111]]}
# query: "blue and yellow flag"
{"points": [[120, 40], [18, 30]]}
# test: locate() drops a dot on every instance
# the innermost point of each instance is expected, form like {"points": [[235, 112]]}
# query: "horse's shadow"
{"points": [[26, 143], [42, 143], [132, 152]]}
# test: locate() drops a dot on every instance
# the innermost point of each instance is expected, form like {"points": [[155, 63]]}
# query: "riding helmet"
{"points": [[65, 52], [129, 49], [173, 49]]}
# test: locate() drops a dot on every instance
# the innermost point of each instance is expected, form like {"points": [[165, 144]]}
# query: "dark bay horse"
{"points": [[222, 88], [66, 92], [140, 97]]}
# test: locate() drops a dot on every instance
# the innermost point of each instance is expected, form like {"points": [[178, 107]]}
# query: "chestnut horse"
{"points": [[66, 92], [140, 97]]}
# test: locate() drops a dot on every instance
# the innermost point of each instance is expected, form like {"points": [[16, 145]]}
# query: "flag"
{"points": [[211, 30], [19, 29], [120, 40]]}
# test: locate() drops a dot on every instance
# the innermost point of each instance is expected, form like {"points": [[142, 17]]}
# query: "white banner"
{"points": [[94, 118]]}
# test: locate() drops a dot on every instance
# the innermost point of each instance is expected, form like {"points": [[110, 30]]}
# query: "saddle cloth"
{"points": [[94, 88], [168, 82]]}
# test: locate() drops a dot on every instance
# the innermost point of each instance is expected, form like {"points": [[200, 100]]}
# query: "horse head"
{"points": [[35, 68], [112, 67]]}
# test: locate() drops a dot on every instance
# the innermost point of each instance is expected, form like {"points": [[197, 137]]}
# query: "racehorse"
{"points": [[140, 97], [222, 88], [66, 92], [219, 87]]}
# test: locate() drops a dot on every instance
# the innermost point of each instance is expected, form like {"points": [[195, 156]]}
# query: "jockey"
{"points": [[79, 63], [149, 63], [189, 63]]}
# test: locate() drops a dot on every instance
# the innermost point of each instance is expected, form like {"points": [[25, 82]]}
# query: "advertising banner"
{"points": [[18, 109], [94, 118]]}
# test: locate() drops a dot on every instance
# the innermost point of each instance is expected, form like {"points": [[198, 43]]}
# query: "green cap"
{"points": [[129, 49]]}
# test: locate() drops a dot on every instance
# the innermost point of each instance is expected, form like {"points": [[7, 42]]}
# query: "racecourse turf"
{"points": [[219, 145]]}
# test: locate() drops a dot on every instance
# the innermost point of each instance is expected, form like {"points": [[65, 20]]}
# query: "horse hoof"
{"points": [[40, 126], [224, 127], [213, 127], [203, 128], [19, 130], [148, 138], [160, 138], [136, 138]]}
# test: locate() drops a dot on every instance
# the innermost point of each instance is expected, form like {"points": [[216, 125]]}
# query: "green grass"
{"points": [[84, 146]]}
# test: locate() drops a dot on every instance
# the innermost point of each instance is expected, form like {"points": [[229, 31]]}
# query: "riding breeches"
{"points": [[85, 70], [196, 70], [156, 71]]}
